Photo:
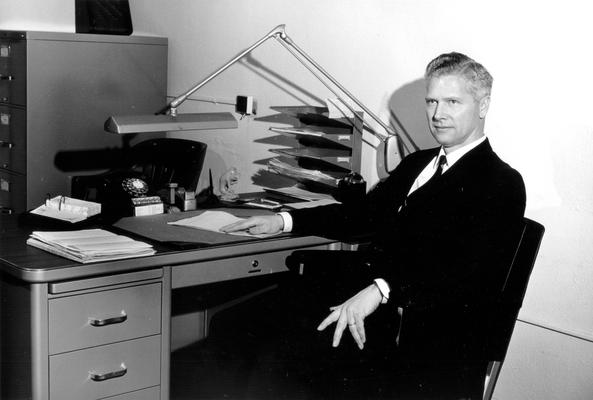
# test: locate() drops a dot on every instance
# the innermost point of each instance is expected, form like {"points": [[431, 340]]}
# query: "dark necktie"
{"points": [[441, 162]]}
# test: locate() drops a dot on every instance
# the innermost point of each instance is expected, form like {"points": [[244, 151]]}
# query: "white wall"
{"points": [[539, 54]]}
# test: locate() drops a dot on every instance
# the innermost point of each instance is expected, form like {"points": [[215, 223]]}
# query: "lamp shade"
{"points": [[124, 124]]}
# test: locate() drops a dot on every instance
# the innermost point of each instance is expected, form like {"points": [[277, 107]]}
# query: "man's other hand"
{"points": [[257, 225], [351, 314]]}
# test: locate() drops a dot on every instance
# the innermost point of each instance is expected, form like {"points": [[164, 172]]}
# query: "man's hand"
{"points": [[352, 313], [257, 225]]}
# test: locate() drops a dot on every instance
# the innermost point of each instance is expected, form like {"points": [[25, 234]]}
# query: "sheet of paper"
{"points": [[213, 221], [299, 193], [337, 109], [312, 203]]}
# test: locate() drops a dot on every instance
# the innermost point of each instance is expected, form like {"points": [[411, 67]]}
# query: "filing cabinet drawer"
{"points": [[107, 370], [229, 268], [93, 319], [13, 71], [12, 192], [13, 139]]}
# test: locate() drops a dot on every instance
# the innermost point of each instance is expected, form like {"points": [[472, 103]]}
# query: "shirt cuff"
{"points": [[286, 217], [384, 289]]}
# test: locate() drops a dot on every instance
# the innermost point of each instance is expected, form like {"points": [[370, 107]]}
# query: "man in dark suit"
{"points": [[444, 224]]}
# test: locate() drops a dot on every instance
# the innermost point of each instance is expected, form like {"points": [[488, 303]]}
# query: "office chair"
{"points": [[157, 162], [501, 314], [511, 298]]}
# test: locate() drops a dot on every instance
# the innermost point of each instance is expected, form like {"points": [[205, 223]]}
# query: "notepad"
{"points": [[89, 245], [68, 209]]}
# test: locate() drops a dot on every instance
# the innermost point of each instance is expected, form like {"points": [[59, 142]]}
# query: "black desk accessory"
{"points": [[110, 17]]}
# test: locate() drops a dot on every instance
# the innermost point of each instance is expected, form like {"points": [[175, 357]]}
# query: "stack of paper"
{"points": [[89, 245]]}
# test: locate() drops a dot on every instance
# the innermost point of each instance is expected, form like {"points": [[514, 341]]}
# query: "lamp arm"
{"points": [[286, 41], [176, 102], [279, 33]]}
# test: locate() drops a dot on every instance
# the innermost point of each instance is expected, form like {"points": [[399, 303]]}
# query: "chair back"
{"points": [[511, 299], [515, 286], [158, 162], [166, 160]]}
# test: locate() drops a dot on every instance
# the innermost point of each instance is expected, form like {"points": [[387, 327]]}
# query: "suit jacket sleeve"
{"points": [[344, 220]]}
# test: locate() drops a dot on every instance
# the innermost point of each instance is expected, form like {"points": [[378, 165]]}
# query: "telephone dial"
{"points": [[135, 187]]}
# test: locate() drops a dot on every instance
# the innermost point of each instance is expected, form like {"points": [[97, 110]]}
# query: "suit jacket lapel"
{"points": [[466, 166], [417, 167]]}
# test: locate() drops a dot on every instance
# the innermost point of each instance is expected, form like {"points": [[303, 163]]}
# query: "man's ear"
{"points": [[484, 105]]}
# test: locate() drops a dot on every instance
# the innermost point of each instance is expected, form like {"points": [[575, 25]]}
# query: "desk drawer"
{"points": [[229, 268], [93, 319], [119, 368]]}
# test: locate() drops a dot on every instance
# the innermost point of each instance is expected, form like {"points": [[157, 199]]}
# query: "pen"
{"points": [[211, 188]]}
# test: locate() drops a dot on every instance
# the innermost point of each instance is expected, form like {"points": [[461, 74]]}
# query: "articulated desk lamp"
{"points": [[168, 119]]}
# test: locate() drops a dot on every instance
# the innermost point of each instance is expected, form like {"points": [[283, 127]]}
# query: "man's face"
{"points": [[455, 117]]}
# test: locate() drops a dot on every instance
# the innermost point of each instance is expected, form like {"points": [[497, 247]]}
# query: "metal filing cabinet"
{"points": [[56, 91]]}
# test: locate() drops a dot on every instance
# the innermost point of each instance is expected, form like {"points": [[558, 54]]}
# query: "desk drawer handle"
{"points": [[6, 144], [109, 375], [109, 321], [6, 77]]}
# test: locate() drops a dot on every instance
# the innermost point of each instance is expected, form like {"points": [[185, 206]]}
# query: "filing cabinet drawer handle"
{"points": [[6, 77], [6, 144], [109, 321], [4, 185], [109, 375]]}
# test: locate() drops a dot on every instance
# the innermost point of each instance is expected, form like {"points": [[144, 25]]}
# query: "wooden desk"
{"points": [[90, 331]]}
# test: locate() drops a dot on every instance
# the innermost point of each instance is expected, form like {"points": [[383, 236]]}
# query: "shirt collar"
{"points": [[454, 156]]}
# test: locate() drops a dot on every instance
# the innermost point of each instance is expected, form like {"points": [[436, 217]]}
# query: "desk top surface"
{"points": [[34, 265]]}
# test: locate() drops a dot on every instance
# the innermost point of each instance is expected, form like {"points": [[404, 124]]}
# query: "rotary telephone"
{"points": [[120, 192]]}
